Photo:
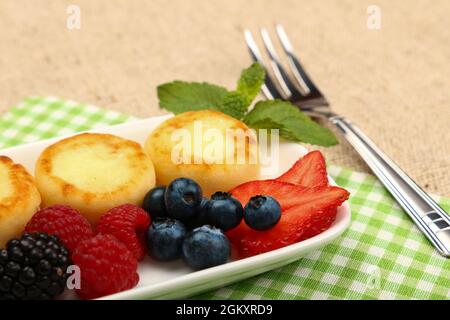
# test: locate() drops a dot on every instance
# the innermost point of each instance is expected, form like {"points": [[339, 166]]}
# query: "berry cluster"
{"points": [[182, 225], [187, 225], [308, 205], [107, 258]]}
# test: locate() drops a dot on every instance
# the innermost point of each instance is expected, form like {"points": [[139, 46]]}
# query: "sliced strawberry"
{"points": [[287, 194], [320, 221], [308, 171], [296, 224], [290, 195], [305, 213]]}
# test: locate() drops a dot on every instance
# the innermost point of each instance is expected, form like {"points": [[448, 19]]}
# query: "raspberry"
{"points": [[63, 221], [106, 265], [128, 223]]}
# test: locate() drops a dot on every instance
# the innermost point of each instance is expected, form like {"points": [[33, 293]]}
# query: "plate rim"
{"points": [[335, 230], [315, 242]]}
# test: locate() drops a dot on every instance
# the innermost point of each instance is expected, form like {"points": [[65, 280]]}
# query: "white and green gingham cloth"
{"points": [[381, 256]]}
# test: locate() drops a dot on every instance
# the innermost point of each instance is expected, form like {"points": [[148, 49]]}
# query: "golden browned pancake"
{"points": [[208, 163], [19, 199], [94, 173]]}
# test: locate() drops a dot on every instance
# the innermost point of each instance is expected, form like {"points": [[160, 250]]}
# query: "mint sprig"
{"points": [[180, 96]]}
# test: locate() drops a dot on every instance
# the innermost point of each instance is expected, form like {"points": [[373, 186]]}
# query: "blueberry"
{"points": [[154, 203], [224, 211], [206, 247], [165, 238], [182, 198], [200, 218], [262, 213]]}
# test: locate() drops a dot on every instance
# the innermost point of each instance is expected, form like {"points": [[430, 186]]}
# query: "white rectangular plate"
{"points": [[176, 280]]}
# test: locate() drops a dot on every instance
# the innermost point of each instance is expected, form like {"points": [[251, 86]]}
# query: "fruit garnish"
{"points": [[224, 211], [128, 223], [33, 267], [107, 266], [182, 198], [308, 171], [206, 247], [165, 238], [63, 221], [289, 195], [154, 203], [262, 212], [305, 213]]}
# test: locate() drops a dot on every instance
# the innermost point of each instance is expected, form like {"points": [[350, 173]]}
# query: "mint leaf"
{"points": [[234, 104], [180, 96], [251, 80], [293, 124]]}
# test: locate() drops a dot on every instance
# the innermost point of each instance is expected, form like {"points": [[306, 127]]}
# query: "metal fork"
{"points": [[298, 88]]}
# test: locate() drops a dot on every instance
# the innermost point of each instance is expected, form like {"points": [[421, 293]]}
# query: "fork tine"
{"points": [[280, 74], [299, 72], [269, 89]]}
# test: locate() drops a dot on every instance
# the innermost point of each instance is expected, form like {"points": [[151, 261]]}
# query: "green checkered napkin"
{"points": [[381, 256]]}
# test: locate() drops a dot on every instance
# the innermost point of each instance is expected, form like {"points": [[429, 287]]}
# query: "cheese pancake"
{"points": [[93, 173], [19, 199], [221, 152]]}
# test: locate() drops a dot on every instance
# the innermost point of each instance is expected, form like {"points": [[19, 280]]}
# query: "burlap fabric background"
{"points": [[393, 82]]}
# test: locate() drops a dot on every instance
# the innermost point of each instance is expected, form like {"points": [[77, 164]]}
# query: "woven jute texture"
{"points": [[393, 82]]}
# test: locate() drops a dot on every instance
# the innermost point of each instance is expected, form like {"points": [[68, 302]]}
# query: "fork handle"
{"points": [[431, 219]]}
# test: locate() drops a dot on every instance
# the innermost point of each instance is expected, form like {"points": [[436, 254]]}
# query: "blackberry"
{"points": [[33, 268]]}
